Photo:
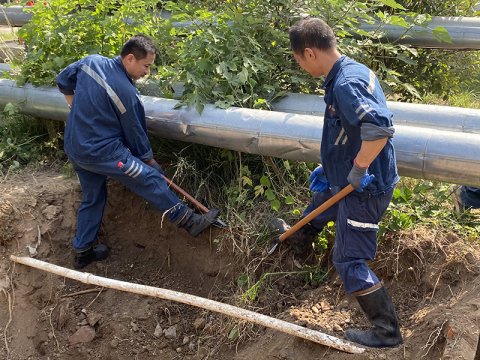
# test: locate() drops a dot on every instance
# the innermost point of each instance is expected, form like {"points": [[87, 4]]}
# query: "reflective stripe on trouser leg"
{"points": [[90, 212], [356, 239]]}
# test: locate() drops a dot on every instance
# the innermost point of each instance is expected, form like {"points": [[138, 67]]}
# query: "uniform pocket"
{"points": [[361, 227], [362, 241]]}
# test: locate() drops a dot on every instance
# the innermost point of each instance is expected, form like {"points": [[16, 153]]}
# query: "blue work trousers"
{"points": [[135, 175], [356, 223], [470, 197]]}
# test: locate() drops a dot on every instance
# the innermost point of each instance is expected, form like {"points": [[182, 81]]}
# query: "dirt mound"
{"points": [[433, 279]]}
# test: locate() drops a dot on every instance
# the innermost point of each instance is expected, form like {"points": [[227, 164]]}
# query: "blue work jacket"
{"points": [[107, 117], [356, 110]]}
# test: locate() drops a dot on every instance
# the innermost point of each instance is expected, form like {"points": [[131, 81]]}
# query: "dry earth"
{"points": [[433, 279]]}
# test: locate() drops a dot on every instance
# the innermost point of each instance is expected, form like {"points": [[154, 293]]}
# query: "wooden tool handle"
{"points": [[189, 197], [325, 206]]}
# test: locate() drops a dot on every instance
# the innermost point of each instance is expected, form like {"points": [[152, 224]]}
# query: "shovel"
{"points": [[218, 223], [325, 206]]}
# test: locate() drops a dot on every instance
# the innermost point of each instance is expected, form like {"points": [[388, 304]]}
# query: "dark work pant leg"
{"points": [[90, 213]]}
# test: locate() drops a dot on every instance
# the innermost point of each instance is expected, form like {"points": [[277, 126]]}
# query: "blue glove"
{"points": [[359, 177], [318, 180]]}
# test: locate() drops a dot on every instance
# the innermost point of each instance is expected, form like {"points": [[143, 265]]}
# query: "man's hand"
{"points": [[318, 180], [155, 165], [359, 177]]}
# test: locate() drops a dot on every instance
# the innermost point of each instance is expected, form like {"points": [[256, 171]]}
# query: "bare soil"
{"points": [[433, 278]]}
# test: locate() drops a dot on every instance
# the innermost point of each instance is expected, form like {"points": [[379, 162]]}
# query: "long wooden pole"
{"points": [[197, 301]]}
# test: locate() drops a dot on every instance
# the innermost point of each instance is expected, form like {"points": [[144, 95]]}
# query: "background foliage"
{"points": [[237, 54]]}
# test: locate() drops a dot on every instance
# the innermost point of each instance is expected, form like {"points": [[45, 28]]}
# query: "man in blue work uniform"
{"points": [[106, 136], [356, 149]]}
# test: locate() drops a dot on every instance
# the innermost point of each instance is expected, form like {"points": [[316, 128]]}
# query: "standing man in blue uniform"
{"points": [[356, 148], [106, 136]]}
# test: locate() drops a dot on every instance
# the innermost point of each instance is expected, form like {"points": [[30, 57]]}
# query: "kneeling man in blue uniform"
{"points": [[356, 149], [106, 136]]}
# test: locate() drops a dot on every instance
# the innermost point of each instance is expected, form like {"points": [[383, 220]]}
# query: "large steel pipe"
{"points": [[14, 16], [464, 31], [422, 152], [421, 115]]}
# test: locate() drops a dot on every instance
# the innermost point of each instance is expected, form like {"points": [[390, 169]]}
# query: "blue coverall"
{"points": [[355, 111], [106, 136], [470, 197]]}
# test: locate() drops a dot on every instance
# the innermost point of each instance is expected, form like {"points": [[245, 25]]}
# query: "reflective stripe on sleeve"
{"points": [[362, 110], [115, 98], [371, 85]]}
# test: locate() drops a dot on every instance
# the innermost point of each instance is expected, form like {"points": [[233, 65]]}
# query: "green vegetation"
{"points": [[25, 140]]}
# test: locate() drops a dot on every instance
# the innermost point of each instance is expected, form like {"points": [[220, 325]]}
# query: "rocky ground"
{"points": [[433, 279]]}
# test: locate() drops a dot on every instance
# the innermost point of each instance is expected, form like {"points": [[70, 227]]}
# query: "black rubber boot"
{"points": [[380, 311], [95, 253], [195, 223]]}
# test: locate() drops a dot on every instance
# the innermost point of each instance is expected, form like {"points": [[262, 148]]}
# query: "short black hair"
{"points": [[311, 33], [140, 46]]}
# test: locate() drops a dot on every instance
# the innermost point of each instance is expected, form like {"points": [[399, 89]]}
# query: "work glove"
{"points": [[359, 177], [155, 165], [318, 180]]}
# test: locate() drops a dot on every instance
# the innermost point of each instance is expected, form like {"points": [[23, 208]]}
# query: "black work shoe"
{"points": [[195, 223], [94, 253]]}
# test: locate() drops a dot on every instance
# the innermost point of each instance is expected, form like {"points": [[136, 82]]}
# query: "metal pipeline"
{"points": [[427, 153], [464, 31], [421, 115]]}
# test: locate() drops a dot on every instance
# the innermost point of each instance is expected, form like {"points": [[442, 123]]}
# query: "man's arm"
{"points": [[369, 151], [69, 99]]}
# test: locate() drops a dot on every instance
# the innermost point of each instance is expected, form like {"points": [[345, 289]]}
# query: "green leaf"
{"points": [[275, 204], [265, 181], [10, 109], [296, 212], [246, 181], [270, 195], [289, 200], [242, 280], [393, 4], [243, 76], [399, 21], [441, 34], [233, 334], [259, 190]]}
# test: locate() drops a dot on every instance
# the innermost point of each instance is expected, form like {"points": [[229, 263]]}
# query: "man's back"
{"points": [[103, 95]]}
